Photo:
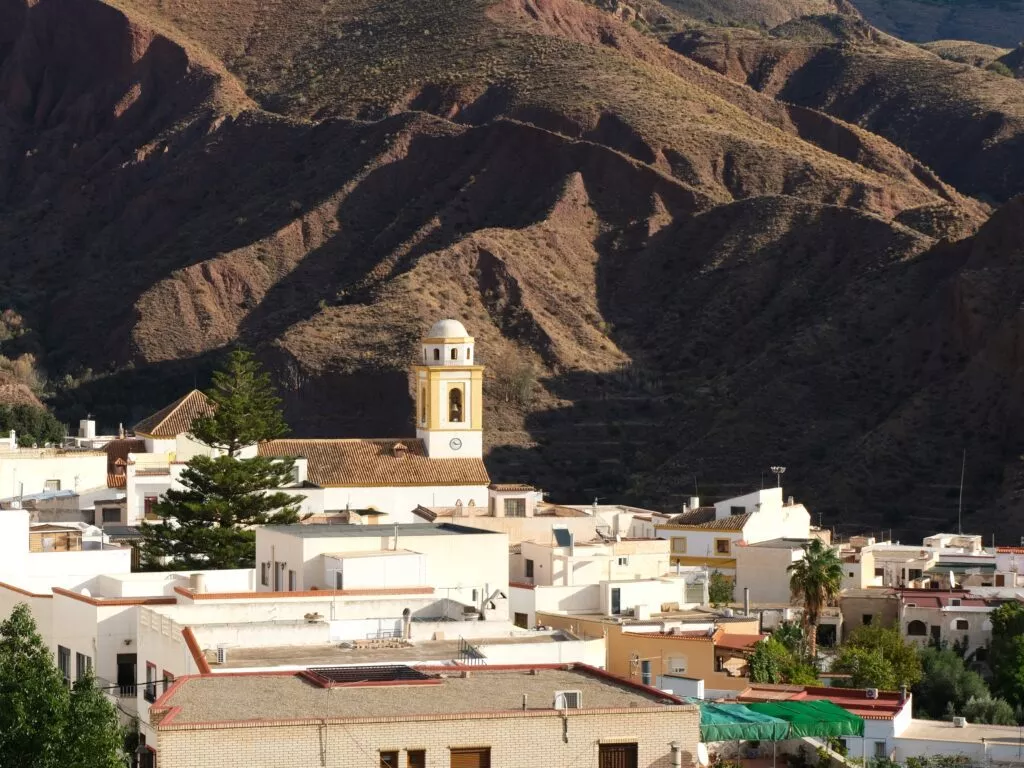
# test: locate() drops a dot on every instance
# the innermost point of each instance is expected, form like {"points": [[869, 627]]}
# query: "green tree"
{"points": [[772, 662], [208, 522], [42, 724], [720, 589], [1006, 653], [815, 582], [877, 657], [34, 426], [767, 661], [246, 410], [989, 711], [867, 667], [945, 678]]}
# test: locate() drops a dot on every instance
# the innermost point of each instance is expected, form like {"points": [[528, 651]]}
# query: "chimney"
{"points": [[694, 502], [746, 601], [13, 440], [903, 695], [400, 450]]}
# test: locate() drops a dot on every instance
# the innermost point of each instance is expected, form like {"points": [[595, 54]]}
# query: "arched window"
{"points": [[469, 353], [455, 405], [423, 405], [455, 353], [437, 353], [917, 628]]}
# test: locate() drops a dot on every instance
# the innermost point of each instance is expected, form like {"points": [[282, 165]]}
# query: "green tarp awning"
{"points": [[812, 718], [735, 722]]}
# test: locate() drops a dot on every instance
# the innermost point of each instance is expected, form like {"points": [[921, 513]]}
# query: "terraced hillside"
{"points": [[674, 278]]}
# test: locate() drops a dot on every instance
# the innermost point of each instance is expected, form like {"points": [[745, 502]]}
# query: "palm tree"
{"points": [[815, 581]]}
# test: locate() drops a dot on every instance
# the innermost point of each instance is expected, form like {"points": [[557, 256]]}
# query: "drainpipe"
{"points": [[746, 601]]}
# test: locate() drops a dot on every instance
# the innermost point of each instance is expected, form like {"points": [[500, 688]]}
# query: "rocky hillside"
{"points": [[674, 277], [983, 21]]}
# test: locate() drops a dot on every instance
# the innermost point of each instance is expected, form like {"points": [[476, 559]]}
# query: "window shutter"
{"points": [[477, 757]]}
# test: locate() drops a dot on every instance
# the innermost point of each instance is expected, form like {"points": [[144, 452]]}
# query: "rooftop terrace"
{"points": [[245, 697]]}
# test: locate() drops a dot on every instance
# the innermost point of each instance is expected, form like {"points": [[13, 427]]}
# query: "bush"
{"points": [[514, 379], [989, 711], [1000, 69], [720, 589]]}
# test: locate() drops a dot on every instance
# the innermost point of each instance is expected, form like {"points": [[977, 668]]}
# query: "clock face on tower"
{"points": [[455, 444]]}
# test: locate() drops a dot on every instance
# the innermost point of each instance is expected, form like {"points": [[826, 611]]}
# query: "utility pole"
{"points": [[960, 503]]}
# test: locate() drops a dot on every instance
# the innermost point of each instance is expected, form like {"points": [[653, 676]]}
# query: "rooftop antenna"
{"points": [[778, 472], [960, 503]]}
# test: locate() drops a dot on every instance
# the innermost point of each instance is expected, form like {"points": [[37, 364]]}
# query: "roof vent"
{"points": [[568, 700], [400, 450], [222, 654]]}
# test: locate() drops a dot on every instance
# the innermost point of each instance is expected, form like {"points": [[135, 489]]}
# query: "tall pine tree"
{"points": [[42, 723], [208, 522]]}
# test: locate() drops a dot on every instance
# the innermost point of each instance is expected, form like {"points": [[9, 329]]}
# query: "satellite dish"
{"points": [[702, 754]]}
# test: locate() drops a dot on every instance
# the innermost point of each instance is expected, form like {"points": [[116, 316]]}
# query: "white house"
{"points": [[707, 536]]}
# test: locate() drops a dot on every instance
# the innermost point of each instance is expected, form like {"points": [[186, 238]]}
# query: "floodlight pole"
{"points": [[778, 472]]}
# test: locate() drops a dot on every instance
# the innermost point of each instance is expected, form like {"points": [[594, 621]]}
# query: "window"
{"points": [[126, 675], [51, 485], [83, 664], [472, 757], [64, 662], [291, 581], [168, 679], [455, 404], [265, 574], [150, 692], [954, 601], [880, 749], [416, 758], [339, 580], [111, 515], [469, 353], [645, 672], [148, 503], [521, 620], [880, 572], [423, 405], [455, 354], [677, 665], [961, 624], [515, 507], [679, 544], [722, 546], [737, 511], [389, 759], [623, 561], [850, 574], [1000, 580], [915, 573], [917, 629], [529, 568], [866, 618], [617, 756]]}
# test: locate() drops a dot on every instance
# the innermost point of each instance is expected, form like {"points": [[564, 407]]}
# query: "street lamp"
{"points": [[778, 471]]}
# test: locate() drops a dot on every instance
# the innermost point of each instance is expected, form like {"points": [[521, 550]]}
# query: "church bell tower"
{"points": [[449, 393]]}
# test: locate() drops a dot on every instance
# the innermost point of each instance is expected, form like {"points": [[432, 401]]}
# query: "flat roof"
{"points": [[316, 531], [973, 733], [332, 654], [370, 553], [782, 543], [224, 699]]}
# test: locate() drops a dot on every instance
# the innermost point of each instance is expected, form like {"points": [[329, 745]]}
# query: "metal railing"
{"points": [[469, 653]]}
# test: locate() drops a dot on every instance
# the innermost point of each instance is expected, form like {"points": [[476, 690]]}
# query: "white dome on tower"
{"points": [[447, 329]]}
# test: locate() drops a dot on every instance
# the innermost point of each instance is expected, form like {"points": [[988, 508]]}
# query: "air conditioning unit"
{"points": [[959, 722], [222, 654], [568, 699], [872, 693]]}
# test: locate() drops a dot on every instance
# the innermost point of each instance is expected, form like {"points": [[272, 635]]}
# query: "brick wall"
{"points": [[534, 741]]}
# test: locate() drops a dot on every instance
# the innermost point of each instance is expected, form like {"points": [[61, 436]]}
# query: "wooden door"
{"points": [[617, 756]]}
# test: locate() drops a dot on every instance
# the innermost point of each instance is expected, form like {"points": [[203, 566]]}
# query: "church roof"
{"points": [[176, 418], [379, 462]]}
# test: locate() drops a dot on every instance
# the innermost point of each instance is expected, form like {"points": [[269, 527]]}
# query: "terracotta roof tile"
{"points": [[365, 463], [116, 481], [511, 487], [704, 519], [176, 418], [737, 642]]}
